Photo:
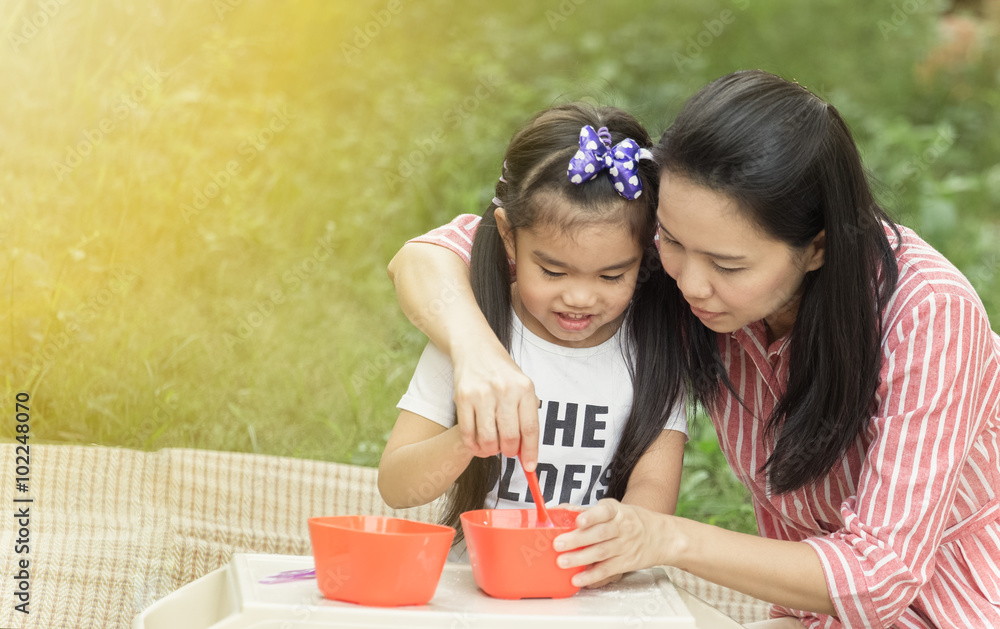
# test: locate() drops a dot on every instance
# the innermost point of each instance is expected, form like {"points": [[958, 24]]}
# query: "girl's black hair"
{"points": [[534, 176], [789, 162]]}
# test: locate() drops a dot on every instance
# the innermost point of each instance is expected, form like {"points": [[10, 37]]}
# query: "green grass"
{"points": [[258, 317]]}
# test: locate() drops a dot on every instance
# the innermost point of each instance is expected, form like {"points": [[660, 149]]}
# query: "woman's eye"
{"points": [[725, 269], [662, 232]]}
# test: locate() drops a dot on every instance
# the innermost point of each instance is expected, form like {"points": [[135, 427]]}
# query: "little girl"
{"points": [[562, 268]]}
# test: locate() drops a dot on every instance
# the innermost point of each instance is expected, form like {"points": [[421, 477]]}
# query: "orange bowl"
{"points": [[378, 561], [512, 557]]}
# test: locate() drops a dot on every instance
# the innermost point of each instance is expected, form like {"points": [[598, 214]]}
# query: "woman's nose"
{"points": [[692, 282]]}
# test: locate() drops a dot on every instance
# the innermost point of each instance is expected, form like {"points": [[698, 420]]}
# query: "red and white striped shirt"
{"points": [[907, 524]]}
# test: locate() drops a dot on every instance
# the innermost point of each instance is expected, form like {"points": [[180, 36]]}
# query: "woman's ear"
{"points": [[815, 251], [506, 233]]}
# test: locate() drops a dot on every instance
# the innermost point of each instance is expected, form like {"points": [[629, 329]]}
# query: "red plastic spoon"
{"points": [[544, 520]]}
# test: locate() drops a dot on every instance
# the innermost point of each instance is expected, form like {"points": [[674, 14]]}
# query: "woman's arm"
{"points": [[420, 462], [496, 406], [934, 409], [925, 467], [432, 286], [618, 538], [655, 480]]}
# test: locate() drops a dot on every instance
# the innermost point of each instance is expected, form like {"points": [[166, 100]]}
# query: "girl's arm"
{"points": [[618, 538], [656, 478], [495, 402], [420, 462]]}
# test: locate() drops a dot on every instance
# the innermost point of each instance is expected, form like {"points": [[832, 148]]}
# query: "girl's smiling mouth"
{"points": [[574, 322]]}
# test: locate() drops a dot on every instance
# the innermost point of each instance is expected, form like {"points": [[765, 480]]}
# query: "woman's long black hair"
{"points": [[789, 162], [534, 174]]}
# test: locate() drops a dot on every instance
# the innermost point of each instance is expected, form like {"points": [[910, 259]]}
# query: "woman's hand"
{"points": [[603, 582], [495, 402], [612, 538]]}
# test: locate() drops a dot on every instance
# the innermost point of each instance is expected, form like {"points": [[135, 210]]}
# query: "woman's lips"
{"points": [[705, 315]]}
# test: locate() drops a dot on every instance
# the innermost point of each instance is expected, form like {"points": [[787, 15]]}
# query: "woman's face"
{"points": [[729, 271]]}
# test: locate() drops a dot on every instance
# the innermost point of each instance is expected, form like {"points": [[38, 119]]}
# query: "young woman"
{"points": [[849, 370]]}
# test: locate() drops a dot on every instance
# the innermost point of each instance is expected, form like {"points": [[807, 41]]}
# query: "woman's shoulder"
{"points": [[925, 276], [456, 235]]}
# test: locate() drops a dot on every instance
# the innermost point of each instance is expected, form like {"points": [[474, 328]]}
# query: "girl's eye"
{"points": [[613, 278], [548, 273]]}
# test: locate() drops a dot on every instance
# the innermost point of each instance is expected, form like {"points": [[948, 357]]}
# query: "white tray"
{"points": [[232, 598]]}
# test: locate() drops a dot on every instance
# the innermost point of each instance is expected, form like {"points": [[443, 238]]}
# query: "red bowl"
{"points": [[378, 561], [513, 558]]}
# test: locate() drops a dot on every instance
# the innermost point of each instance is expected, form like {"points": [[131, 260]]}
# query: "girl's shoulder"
{"points": [[924, 275]]}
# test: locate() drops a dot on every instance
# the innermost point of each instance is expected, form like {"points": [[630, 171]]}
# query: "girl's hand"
{"points": [[612, 539], [495, 402]]}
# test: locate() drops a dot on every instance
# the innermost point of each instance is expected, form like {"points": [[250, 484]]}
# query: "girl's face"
{"points": [[729, 271], [572, 286]]}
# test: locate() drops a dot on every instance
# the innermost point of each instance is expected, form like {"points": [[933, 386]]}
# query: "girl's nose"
{"points": [[580, 295]]}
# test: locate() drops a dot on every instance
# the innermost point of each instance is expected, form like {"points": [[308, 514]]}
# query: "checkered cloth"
{"points": [[113, 530]]}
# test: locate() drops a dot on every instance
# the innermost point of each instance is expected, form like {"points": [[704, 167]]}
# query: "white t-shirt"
{"points": [[586, 395]]}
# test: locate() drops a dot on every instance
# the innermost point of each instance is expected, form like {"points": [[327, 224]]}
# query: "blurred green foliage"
{"points": [[199, 198]]}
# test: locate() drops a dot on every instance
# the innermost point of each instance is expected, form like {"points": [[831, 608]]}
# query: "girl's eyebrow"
{"points": [[711, 254], [546, 259]]}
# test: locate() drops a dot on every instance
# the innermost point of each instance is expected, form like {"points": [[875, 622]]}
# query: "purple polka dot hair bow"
{"points": [[621, 161]]}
